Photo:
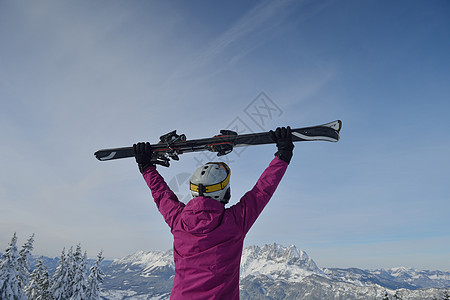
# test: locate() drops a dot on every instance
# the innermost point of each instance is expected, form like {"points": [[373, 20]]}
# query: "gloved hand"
{"points": [[143, 154], [283, 137]]}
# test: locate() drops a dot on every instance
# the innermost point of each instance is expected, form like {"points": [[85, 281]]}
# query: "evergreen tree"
{"points": [[61, 282], [446, 296], [9, 283], [45, 283], [95, 279], [32, 290], [24, 262], [397, 297], [39, 285], [70, 270], [79, 280]]}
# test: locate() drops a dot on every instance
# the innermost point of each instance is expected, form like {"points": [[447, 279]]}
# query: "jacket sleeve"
{"points": [[165, 199], [247, 210]]}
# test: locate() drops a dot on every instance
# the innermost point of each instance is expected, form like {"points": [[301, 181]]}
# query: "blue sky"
{"points": [[79, 76]]}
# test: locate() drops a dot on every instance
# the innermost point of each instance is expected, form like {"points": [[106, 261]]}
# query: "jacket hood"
{"points": [[202, 215]]}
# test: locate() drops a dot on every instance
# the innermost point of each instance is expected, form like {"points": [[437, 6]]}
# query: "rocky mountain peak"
{"points": [[277, 261]]}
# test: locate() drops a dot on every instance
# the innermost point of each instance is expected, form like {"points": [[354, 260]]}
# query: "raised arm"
{"points": [[165, 199], [253, 202]]}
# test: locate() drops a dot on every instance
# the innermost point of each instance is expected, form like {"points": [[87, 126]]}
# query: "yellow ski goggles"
{"points": [[214, 187]]}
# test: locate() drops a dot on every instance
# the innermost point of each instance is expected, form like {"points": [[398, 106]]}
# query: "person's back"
{"points": [[208, 238], [207, 251]]}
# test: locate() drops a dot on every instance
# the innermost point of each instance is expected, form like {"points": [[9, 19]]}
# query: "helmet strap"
{"points": [[201, 189], [227, 196]]}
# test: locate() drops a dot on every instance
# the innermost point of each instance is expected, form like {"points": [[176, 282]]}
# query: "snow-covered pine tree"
{"points": [[24, 262], [95, 279], [45, 283], [397, 296], [60, 281], [9, 283], [32, 290], [70, 270], [446, 296], [79, 280], [39, 285]]}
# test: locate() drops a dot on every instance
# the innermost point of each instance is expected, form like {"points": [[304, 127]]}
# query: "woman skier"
{"points": [[208, 238]]}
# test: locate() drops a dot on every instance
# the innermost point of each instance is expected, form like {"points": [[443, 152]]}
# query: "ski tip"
{"points": [[97, 155], [101, 155], [335, 125], [340, 126]]}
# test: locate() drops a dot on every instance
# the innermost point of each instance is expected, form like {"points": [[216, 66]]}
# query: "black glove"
{"points": [[283, 137], [143, 154]]}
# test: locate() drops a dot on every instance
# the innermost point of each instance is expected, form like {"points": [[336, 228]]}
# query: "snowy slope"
{"points": [[146, 262]]}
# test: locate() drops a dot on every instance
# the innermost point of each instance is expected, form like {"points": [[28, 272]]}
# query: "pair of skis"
{"points": [[171, 145]]}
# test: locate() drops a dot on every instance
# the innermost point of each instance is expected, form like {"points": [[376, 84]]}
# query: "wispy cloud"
{"points": [[255, 28]]}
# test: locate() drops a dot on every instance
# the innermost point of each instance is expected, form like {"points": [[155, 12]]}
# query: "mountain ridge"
{"points": [[274, 271]]}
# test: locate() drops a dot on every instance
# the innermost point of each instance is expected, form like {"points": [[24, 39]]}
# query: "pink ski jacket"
{"points": [[208, 238]]}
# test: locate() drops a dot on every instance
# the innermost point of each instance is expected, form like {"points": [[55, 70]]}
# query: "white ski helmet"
{"points": [[213, 181]]}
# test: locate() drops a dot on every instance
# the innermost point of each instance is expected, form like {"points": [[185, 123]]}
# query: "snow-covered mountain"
{"points": [[142, 274], [278, 263], [416, 278], [275, 272]]}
